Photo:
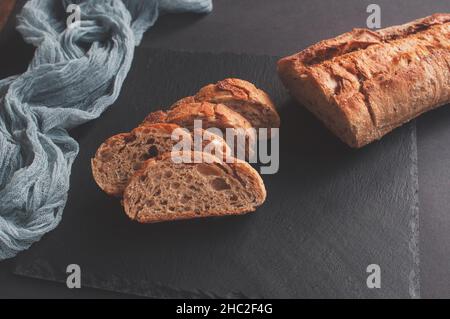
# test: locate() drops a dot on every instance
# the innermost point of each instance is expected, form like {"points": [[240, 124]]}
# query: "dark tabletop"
{"points": [[278, 28]]}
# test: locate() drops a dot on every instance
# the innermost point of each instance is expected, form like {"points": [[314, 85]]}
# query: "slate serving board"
{"points": [[330, 211]]}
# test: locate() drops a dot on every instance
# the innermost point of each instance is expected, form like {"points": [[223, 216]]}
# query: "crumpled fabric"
{"points": [[74, 76]]}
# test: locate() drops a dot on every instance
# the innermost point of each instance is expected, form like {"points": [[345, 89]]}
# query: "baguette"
{"points": [[363, 84], [165, 190]]}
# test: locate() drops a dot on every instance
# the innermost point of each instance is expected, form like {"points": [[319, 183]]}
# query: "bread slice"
{"points": [[212, 116], [165, 189], [119, 157], [363, 84], [241, 96]]}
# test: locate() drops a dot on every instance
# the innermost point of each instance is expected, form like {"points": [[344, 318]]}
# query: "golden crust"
{"points": [[185, 100], [364, 84], [242, 97], [215, 115], [155, 117], [218, 115]]}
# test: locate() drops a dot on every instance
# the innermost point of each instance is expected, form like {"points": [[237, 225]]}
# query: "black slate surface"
{"points": [[330, 212], [434, 192]]}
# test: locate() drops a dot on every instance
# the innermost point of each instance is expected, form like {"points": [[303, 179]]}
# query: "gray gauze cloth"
{"points": [[76, 73]]}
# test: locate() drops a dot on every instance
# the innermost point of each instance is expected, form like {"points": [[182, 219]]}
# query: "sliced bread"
{"points": [[119, 157], [241, 96], [212, 116], [165, 189]]}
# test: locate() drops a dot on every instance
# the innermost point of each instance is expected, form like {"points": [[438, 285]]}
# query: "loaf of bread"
{"points": [[120, 156], [241, 96], [165, 189], [364, 83]]}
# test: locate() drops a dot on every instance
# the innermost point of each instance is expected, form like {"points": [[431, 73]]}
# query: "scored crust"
{"points": [[241, 96], [212, 116], [164, 190], [365, 83]]}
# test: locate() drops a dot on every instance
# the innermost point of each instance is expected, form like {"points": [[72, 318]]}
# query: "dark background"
{"points": [[278, 28]]}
